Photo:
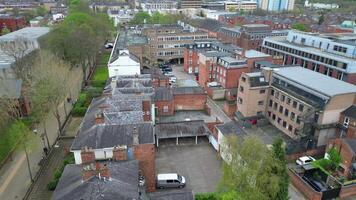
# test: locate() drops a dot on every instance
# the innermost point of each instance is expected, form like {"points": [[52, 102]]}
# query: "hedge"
{"points": [[69, 159], [206, 196]]}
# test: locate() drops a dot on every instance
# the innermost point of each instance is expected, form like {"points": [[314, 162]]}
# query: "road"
{"points": [[14, 175]]}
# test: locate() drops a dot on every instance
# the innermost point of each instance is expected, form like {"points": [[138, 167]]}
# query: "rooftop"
{"points": [[181, 129], [29, 33], [315, 81], [188, 90], [123, 184], [255, 54], [106, 136]]}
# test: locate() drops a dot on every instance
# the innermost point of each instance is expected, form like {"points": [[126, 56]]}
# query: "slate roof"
{"points": [[230, 128], [181, 129], [188, 90], [106, 136], [207, 24], [123, 184], [350, 112], [172, 195], [351, 142], [163, 94]]}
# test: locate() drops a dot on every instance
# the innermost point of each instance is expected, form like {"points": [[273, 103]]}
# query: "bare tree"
{"points": [[49, 85]]}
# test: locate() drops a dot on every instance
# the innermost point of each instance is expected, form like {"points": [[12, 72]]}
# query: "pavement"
{"points": [[198, 163], [14, 175]]}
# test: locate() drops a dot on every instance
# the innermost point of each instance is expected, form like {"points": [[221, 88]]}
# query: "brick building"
{"points": [[248, 36], [347, 122], [347, 149], [12, 23], [329, 54], [299, 102]]}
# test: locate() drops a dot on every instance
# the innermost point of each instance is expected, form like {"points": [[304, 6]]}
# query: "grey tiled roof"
{"points": [[123, 184], [106, 136], [188, 90], [163, 94], [231, 128], [181, 129]]}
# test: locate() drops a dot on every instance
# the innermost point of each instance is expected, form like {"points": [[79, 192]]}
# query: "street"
{"points": [[14, 176]]}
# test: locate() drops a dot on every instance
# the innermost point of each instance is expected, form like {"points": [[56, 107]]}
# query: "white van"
{"points": [[172, 180]]}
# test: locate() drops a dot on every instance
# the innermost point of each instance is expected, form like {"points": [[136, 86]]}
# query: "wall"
{"points": [[145, 154], [230, 108], [189, 101], [348, 191], [317, 152], [160, 104], [336, 105], [215, 93], [302, 186]]}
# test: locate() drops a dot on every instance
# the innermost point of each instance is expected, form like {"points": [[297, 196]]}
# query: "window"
{"points": [[292, 116], [239, 100], [165, 109], [281, 109], [288, 101], [277, 95], [260, 103], [241, 89], [169, 181], [284, 124], [295, 104], [286, 112], [279, 120], [270, 103], [273, 117], [275, 105], [301, 107], [346, 122], [269, 113], [298, 120], [262, 91], [243, 79], [272, 92], [290, 128], [259, 113], [283, 98]]}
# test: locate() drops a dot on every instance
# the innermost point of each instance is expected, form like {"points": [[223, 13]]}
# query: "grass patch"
{"points": [[206, 196], [9, 138], [104, 58], [69, 159], [101, 74]]}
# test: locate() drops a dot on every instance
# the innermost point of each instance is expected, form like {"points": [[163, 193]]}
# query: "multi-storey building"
{"points": [[248, 36], [191, 53], [167, 42], [190, 4], [303, 104], [240, 5], [157, 5], [276, 5], [331, 54]]}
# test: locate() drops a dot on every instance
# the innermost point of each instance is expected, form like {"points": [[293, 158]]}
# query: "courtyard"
{"points": [[198, 163]]}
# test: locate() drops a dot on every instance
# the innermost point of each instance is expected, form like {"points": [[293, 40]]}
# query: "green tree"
{"points": [[300, 27], [250, 172], [41, 11], [279, 154], [140, 18], [334, 157], [321, 19], [4, 31]]}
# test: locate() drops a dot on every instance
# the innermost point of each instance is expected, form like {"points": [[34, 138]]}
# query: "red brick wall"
{"points": [[189, 102], [302, 186], [204, 74], [351, 78], [193, 57], [146, 107], [320, 151], [88, 156], [12, 24], [186, 57], [207, 109], [230, 109], [233, 76], [145, 154], [348, 191], [161, 104]]}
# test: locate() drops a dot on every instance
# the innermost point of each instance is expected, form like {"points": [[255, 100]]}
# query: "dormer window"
{"points": [[346, 122]]}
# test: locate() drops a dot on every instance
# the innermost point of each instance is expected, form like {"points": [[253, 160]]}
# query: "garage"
{"points": [[181, 131]]}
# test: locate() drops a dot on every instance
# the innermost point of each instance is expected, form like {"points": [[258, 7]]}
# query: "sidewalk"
{"points": [[14, 175]]}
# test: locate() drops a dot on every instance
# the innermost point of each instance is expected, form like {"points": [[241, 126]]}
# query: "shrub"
{"points": [[82, 99], [58, 173], [206, 196], [68, 160], [98, 83], [79, 111], [52, 184], [94, 92]]}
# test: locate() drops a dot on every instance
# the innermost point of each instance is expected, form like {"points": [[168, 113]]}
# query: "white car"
{"points": [[305, 160], [214, 84], [172, 79]]}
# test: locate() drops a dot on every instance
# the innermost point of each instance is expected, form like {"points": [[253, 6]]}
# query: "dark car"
{"points": [[167, 69]]}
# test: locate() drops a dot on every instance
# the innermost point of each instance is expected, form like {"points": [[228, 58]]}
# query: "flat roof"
{"points": [[315, 81], [255, 54], [30, 33]]}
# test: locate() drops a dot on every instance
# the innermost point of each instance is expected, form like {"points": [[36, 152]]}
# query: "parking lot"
{"points": [[199, 164]]}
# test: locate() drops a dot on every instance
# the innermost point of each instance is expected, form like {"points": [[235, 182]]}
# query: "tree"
{"points": [[251, 170], [49, 86], [300, 27], [41, 11], [334, 157], [5, 31], [140, 18], [279, 154], [321, 19]]}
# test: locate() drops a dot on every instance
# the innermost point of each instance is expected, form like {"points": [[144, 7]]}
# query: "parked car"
{"points": [[172, 79], [167, 69], [168, 73], [304, 160], [171, 180], [214, 84]]}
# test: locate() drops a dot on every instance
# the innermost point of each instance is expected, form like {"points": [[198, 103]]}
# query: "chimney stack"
{"points": [[120, 153], [99, 118], [135, 136], [87, 155], [100, 170]]}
